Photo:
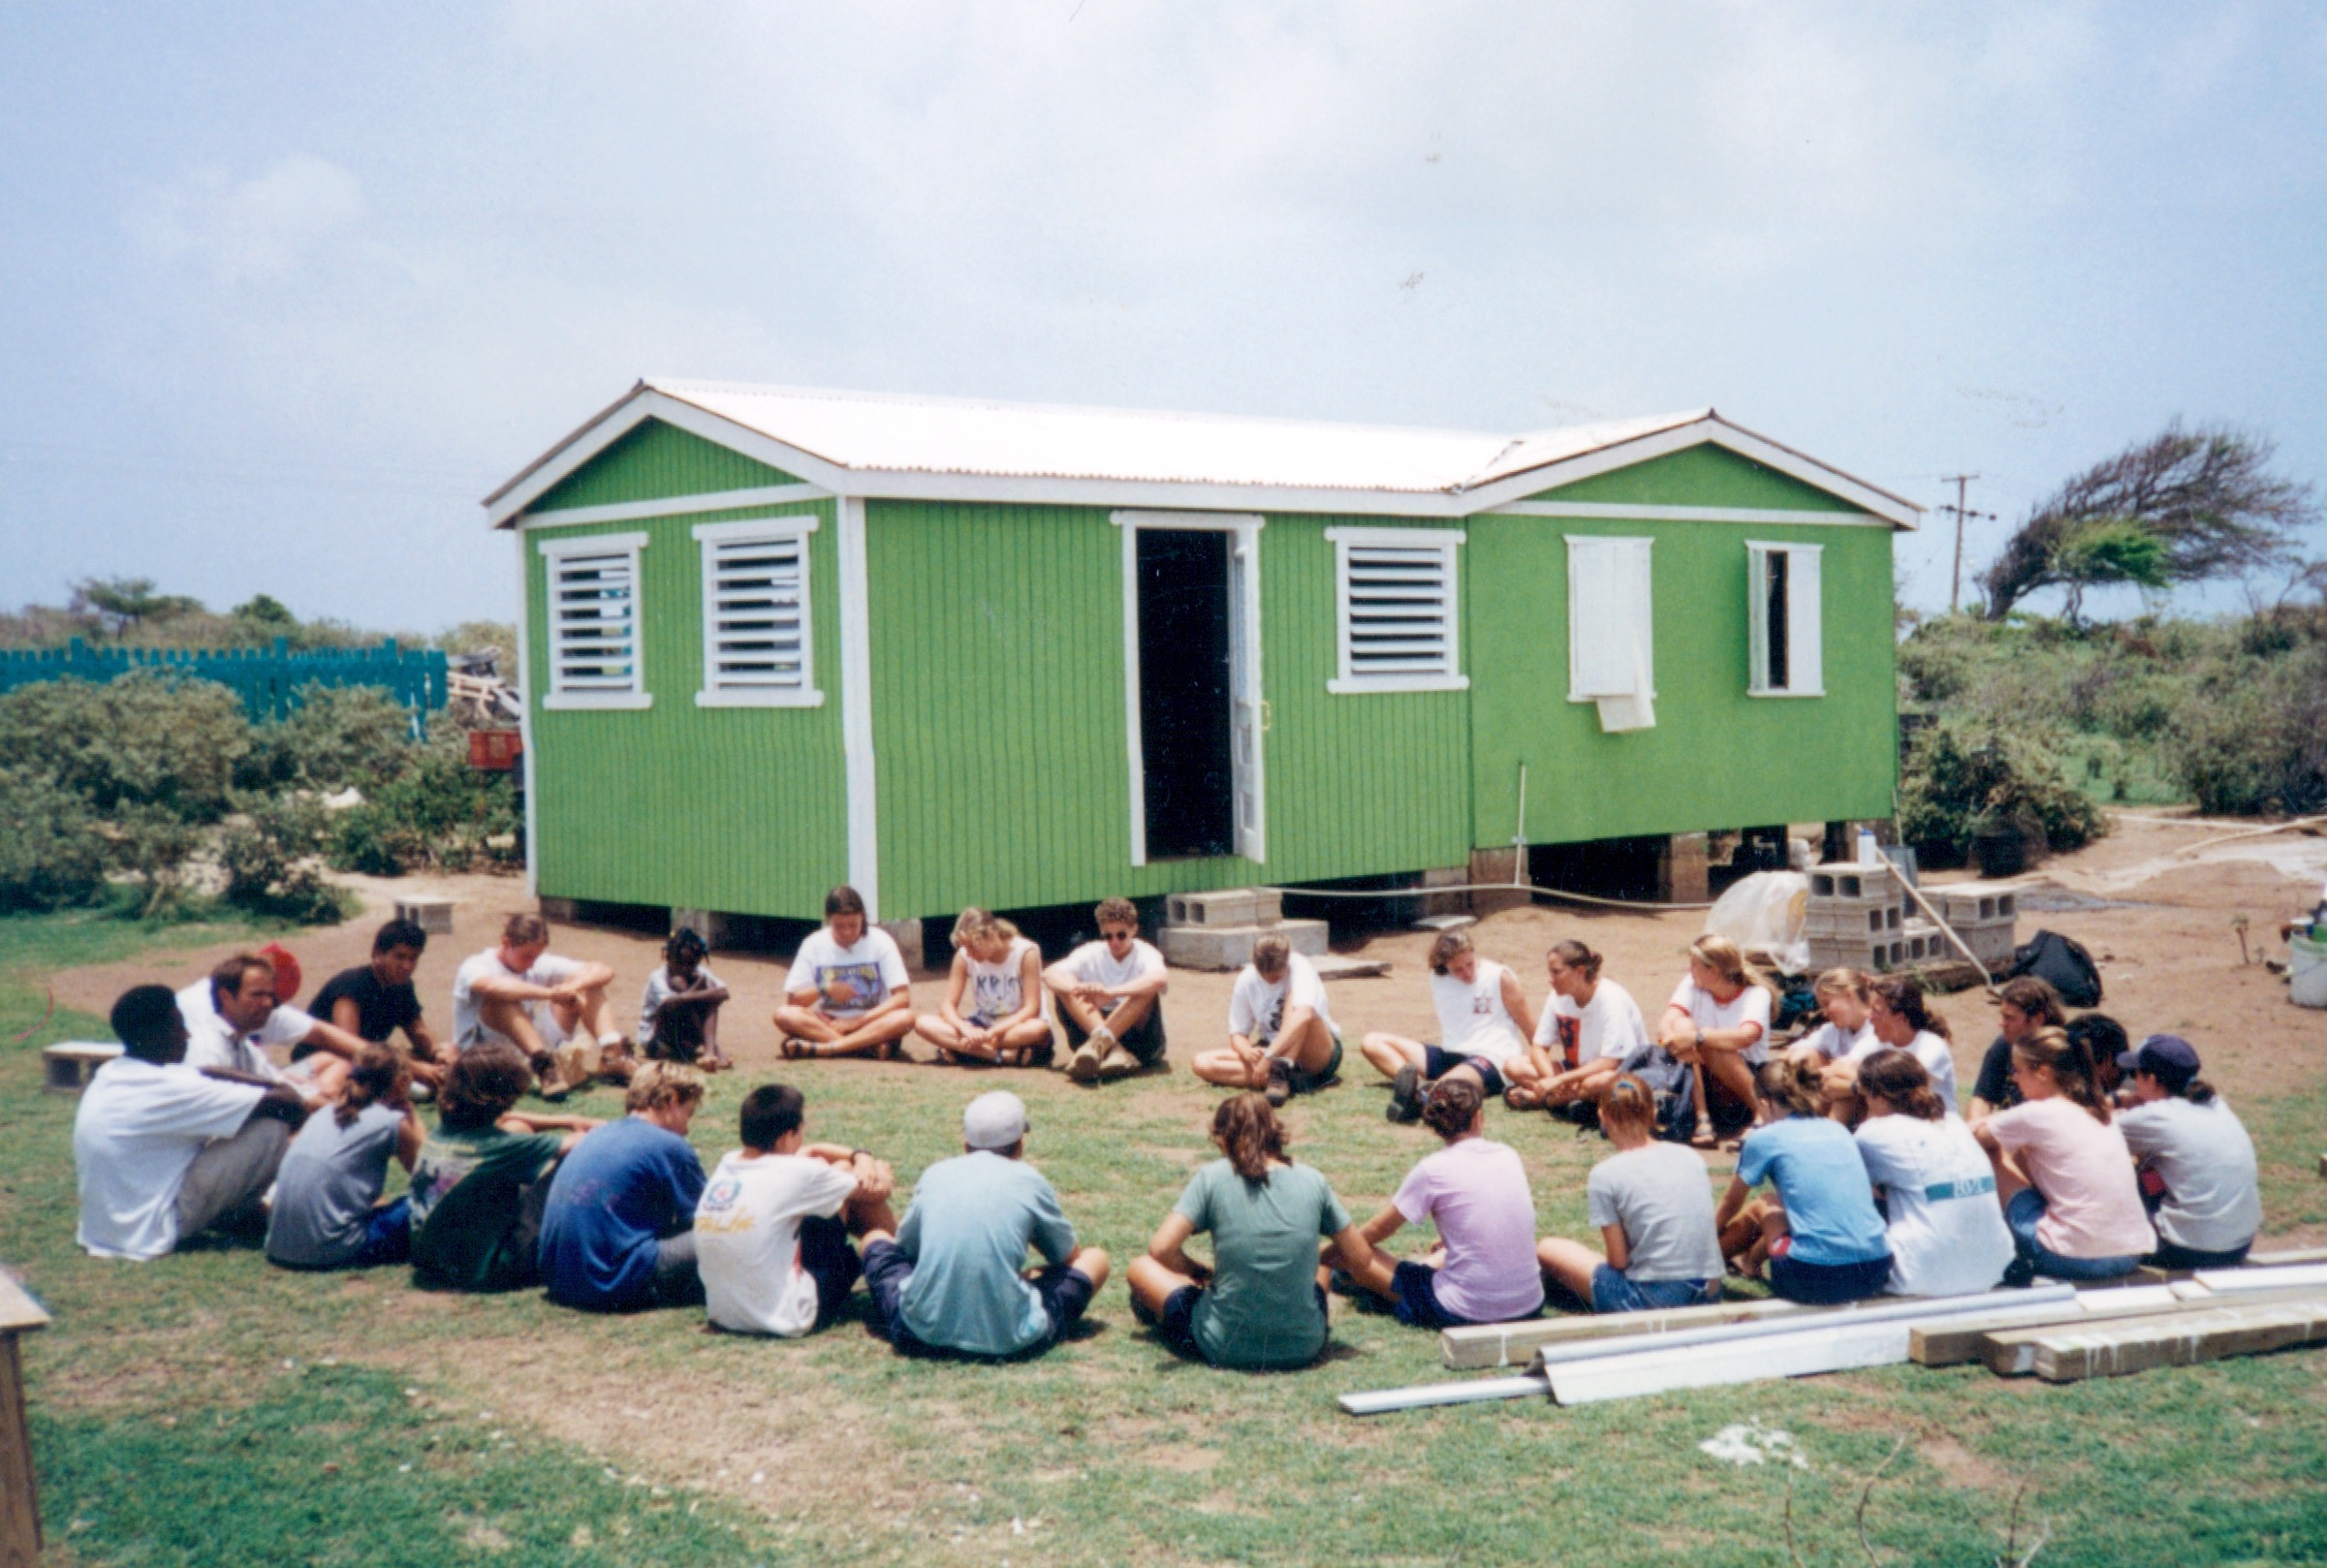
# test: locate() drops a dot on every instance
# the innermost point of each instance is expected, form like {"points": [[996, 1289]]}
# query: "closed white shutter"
{"points": [[1784, 614], [593, 622], [758, 648], [1611, 624], [1395, 610]]}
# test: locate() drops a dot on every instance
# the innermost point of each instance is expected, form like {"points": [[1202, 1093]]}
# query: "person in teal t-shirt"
{"points": [[1260, 1304]]}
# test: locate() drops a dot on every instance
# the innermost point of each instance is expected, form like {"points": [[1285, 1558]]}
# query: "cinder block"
{"points": [[1226, 906], [1230, 947], [71, 1063], [431, 915], [1849, 880], [1974, 903]]}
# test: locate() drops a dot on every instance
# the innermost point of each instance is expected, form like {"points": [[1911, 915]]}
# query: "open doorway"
{"points": [[1183, 692], [1191, 631]]}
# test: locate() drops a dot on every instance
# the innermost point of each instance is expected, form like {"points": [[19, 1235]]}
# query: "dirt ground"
{"points": [[2161, 928]]}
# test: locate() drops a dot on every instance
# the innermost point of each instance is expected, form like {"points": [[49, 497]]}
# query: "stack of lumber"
{"points": [[2053, 1332]]}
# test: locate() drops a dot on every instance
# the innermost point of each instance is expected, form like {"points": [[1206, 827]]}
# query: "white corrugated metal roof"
{"points": [[875, 432]]}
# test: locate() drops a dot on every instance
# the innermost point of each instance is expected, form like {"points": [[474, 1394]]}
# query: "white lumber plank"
{"points": [[2232, 1280], [2286, 1255], [1880, 1309], [1801, 1354], [1471, 1390], [1475, 1346], [2067, 1354], [1952, 1341]]}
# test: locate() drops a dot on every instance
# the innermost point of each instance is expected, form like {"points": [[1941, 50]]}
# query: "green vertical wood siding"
{"points": [[1716, 757], [653, 461], [999, 729], [1701, 476], [743, 810]]}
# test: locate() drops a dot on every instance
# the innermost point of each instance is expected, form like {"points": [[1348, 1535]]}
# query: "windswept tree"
{"points": [[2185, 506]]}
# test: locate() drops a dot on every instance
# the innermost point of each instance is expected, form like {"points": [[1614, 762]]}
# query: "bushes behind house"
{"points": [[154, 776]]}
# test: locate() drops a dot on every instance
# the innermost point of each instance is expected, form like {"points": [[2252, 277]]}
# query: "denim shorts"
{"points": [[2021, 1216], [1612, 1291], [1437, 1063]]}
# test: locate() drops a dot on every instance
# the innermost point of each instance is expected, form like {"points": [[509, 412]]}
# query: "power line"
{"points": [[1954, 587]]}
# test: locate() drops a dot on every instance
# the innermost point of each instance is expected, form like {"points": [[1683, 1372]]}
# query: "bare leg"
{"points": [[2010, 1178], [1086, 1018], [1527, 1085], [1371, 1275], [1091, 1264], [596, 1018], [1129, 1014], [1387, 1052], [866, 1216], [951, 1042], [512, 1018], [1736, 1075], [805, 1023], [1152, 1284], [1570, 1264], [1024, 1041], [1312, 1046], [712, 1054], [1227, 1069], [878, 1032]]}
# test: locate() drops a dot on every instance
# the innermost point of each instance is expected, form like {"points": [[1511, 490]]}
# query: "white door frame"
{"points": [[1247, 709]]}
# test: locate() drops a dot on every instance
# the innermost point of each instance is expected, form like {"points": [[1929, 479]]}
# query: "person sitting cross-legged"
{"points": [[991, 1015], [772, 1228], [326, 1211], [1484, 1029], [678, 1012], [848, 993], [1817, 1233], [1654, 1206], [551, 1008], [482, 1176], [1484, 1268], [1259, 1303], [1110, 999], [952, 1277], [1596, 1027], [234, 1014], [163, 1151], [617, 1231], [1282, 1038], [2196, 1164], [373, 1001]]}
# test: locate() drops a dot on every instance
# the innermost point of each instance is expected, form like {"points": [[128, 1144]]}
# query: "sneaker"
{"points": [[1406, 1096], [1118, 1062], [1281, 1080], [1083, 1065]]}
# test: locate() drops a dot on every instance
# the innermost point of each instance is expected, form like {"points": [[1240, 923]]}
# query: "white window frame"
{"points": [[1351, 680], [710, 538], [1576, 691], [1805, 636], [559, 696]]}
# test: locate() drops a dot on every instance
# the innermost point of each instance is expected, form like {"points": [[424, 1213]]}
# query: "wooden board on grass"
{"points": [[2066, 1353], [1950, 1343], [1514, 1344]]}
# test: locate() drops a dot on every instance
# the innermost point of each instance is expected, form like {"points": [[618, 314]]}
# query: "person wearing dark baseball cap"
{"points": [[2196, 1162], [954, 1277]]}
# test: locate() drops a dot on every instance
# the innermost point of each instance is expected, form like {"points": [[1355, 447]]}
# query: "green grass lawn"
{"points": [[208, 1409]]}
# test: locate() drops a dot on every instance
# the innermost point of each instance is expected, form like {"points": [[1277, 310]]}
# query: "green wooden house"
{"points": [[961, 652]]}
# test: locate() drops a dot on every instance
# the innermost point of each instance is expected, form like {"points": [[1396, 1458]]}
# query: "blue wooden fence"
{"points": [[266, 679]]}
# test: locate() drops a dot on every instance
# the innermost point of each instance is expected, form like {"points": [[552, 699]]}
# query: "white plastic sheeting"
{"points": [[1765, 911]]}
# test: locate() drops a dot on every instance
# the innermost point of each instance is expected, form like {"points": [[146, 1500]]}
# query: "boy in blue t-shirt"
{"points": [[618, 1231]]}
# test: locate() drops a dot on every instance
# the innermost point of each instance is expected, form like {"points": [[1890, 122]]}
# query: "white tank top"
{"points": [[994, 990], [1472, 1020]]}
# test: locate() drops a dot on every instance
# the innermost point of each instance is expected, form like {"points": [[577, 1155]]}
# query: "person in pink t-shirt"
{"points": [[2062, 1169], [1484, 1268]]}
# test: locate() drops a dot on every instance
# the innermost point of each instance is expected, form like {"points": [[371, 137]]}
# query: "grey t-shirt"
{"points": [[1661, 1198], [2212, 1203], [331, 1176]]}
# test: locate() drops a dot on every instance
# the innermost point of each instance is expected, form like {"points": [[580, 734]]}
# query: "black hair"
{"points": [[141, 1018], [1453, 1106], [769, 1112], [843, 901], [401, 934], [686, 942], [2105, 1039]]}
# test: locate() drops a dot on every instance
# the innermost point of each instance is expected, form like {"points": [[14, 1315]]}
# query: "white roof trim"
{"points": [[915, 449]]}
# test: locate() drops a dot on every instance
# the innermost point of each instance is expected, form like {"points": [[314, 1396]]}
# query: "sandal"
{"points": [[795, 1049], [1705, 1136]]}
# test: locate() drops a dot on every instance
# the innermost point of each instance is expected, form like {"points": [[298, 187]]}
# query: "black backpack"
{"points": [[2062, 963]]}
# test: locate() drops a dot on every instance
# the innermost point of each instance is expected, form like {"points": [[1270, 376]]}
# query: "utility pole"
{"points": [[1954, 588]]}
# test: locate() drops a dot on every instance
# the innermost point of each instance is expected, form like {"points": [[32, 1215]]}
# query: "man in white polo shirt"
{"points": [[232, 1017], [163, 1150]]}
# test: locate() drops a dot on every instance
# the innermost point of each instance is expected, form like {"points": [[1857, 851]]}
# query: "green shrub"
{"points": [[153, 846], [339, 736], [2257, 741], [439, 812], [149, 738], [1955, 783], [265, 859], [50, 854], [368, 839]]}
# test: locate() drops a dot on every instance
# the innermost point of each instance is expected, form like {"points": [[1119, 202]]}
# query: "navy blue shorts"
{"points": [[1825, 1284], [1437, 1063], [387, 1235], [1176, 1325], [1064, 1294], [828, 1258], [1414, 1297], [2174, 1255]]}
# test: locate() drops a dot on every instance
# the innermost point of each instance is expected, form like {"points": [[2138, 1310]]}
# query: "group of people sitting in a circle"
{"points": [[2084, 1158]]}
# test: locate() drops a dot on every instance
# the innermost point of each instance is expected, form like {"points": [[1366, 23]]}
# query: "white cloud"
{"points": [[260, 228]]}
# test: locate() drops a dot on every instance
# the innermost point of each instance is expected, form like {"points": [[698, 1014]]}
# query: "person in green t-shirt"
{"points": [[484, 1174], [1261, 1302]]}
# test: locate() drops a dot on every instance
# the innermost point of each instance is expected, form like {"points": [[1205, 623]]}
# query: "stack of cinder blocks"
{"points": [[1216, 931], [1984, 915], [1859, 916]]}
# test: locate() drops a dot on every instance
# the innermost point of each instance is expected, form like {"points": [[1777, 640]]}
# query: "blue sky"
{"points": [[288, 289]]}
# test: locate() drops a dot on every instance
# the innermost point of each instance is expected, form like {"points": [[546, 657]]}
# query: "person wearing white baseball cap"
{"points": [[954, 1279]]}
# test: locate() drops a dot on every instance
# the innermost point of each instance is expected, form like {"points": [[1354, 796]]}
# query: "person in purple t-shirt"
{"points": [[1484, 1268]]}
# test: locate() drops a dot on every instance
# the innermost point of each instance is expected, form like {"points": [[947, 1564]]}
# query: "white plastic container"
{"points": [[2306, 971], [1869, 852]]}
